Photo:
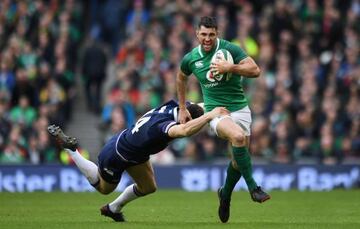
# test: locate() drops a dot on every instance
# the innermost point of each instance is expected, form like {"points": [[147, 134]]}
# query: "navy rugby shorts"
{"points": [[111, 165]]}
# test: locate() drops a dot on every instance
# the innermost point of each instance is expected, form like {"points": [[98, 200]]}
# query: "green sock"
{"points": [[243, 160], [232, 177]]}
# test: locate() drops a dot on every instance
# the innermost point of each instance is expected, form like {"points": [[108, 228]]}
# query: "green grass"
{"points": [[179, 209]]}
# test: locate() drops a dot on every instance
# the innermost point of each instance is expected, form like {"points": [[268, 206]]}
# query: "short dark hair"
{"points": [[208, 22], [195, 110]]}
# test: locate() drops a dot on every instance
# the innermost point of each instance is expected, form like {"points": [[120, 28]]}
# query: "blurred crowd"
{"points": [[38, 61], [305, 103]]}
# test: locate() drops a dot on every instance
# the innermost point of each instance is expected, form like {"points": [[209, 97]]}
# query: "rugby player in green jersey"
{"points": [[223, 92]]}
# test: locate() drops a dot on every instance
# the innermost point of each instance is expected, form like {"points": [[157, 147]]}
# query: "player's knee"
{"points": [[148, 189], [238, 140], [234, 164], [104, 191], [151, 190]]}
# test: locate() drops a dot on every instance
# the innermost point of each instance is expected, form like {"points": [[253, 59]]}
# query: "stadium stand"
{"points": [[305, 104]]}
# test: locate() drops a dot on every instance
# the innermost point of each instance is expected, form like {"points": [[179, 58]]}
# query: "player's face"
{"points": [[206, 37]]}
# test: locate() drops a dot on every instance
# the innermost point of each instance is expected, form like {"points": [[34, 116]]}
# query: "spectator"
{"points": [[137, 18], [118, 123], [47, 151], [7, 77], [117, 98], [5, 123], [23, 113], [94, 73], [15, 149]]}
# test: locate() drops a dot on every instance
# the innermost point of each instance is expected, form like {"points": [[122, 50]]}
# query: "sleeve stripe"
{"points": [[168, 126]]}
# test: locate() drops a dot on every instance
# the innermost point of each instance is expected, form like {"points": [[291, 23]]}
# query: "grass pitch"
{"points": [[179, 209]]}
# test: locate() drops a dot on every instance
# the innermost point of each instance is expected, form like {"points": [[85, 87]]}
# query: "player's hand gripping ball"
{"points": [[218, 63]]}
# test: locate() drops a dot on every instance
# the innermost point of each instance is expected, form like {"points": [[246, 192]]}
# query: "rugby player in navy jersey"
{"points": [[130, 150]]}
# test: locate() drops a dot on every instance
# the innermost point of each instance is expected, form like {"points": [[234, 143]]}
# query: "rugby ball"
{"points": [[222, 54]]}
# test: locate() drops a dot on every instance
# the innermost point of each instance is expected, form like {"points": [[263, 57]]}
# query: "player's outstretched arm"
{"points": [[195, 125]]}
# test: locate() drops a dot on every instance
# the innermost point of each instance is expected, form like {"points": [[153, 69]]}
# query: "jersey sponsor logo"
{"points": [[199, 64], [209, 85]]}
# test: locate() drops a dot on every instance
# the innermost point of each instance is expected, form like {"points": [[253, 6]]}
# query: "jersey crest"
{"points": [[212, 78]]}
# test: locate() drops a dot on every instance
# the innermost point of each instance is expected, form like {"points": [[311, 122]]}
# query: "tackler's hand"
{"points": [[219, 111]]}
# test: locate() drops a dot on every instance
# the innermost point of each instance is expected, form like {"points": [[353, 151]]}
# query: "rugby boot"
{"points": [[258, 195], [118, 217], [224, 207], [62, 139]]}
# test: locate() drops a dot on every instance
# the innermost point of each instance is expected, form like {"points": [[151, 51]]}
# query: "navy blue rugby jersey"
{"points": [[149, 135]]}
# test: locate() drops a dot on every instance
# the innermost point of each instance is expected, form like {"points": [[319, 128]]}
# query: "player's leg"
{"points": [[145, 184], [106, 187], [224, 192], [143, 175], [233, 174], [232, 131], [104, 178], [111, 167], [107, 184], [88, 168]]}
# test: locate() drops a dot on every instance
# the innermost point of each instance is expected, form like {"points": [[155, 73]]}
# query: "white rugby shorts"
{"points": [[242, 117]]}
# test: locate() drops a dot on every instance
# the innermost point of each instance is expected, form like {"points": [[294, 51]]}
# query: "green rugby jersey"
{"points": [[216, 91]]}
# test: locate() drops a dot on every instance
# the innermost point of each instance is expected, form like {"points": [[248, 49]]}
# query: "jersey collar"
{"points": [[217, 47]]}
